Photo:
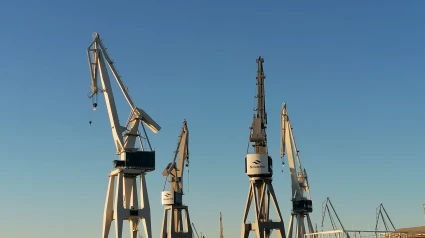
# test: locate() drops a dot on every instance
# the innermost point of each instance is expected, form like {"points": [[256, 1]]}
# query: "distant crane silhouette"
{"points": [[221, 226]]}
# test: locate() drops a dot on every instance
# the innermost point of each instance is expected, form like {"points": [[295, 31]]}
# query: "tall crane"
{"points": [[173, 199], [302, 205], [133, 161], [259, 168]]}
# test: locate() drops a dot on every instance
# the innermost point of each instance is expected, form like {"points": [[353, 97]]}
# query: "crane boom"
{"points": [[97, 54], [301, 199], [174, 170], [300, 188]]}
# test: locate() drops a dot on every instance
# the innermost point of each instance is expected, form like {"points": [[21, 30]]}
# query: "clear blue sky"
{"points": [[352, 73]]}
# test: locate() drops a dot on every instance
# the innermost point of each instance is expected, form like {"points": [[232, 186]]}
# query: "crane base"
{"points": [[125, 204], [261, 191], [300, 228], [180, 227]]}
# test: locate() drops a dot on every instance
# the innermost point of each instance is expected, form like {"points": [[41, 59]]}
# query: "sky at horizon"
{"points": [[351, 73]]}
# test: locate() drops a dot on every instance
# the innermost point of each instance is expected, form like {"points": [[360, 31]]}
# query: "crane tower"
{"points": [[173, 199], [221, 227], [302, 205], [259, 168], [133, 161]]}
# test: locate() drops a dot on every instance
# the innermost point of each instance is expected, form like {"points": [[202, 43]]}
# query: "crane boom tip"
{"points": [[260, 59]]}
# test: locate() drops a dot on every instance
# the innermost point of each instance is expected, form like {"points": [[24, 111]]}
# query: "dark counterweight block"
{"points": [[137, 160], [303, 206]]}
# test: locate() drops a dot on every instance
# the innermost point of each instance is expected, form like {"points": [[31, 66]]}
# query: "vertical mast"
{"points": [[221, 227], [259, 124]]}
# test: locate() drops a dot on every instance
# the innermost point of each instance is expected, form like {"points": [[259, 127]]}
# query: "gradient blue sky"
{"points": [[352, 74]]}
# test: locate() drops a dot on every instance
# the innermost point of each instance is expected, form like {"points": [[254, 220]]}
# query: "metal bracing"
{"points": [[327, 210], [380, 210]]}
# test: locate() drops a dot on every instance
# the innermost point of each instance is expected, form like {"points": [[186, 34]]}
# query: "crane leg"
{"points": [[164, 229], [144, 210], [290, 228], [134, 203], [245, 231], [108, 211], [300, 229], [119, 206], [310, 225], [261, 191], [146, 223], [126, 205], [180, 225], [300, 226]]}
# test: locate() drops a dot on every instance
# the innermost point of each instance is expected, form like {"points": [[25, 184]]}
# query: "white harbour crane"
{"points": [[133, 161], [175, 213], [302, 205], [259, 168]]}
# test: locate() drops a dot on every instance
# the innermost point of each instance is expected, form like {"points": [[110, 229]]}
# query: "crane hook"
{"points": [[90, 123]]}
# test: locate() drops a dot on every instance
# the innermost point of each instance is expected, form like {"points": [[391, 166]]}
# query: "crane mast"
{"points": [[258, 129], [173, 199], [302, 205], [259, 168], [133, 161], [221, 227]]}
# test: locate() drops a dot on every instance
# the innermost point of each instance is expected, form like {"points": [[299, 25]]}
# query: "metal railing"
{"points": [[357, 234]]}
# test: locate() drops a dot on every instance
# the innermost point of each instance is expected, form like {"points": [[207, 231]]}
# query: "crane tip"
{"points": [[95, 35], [260, 59], [283, 108]]}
